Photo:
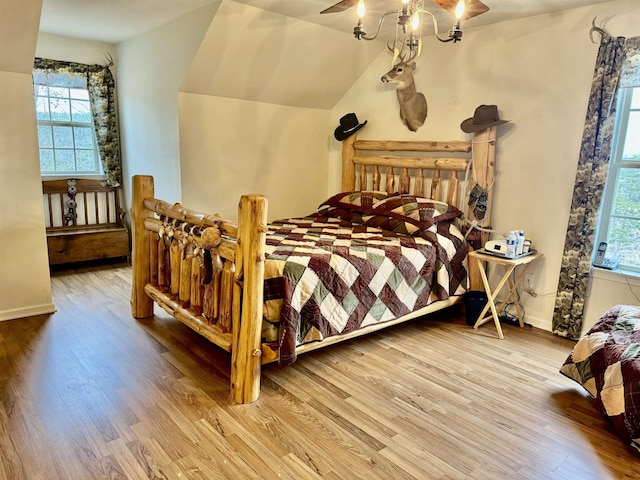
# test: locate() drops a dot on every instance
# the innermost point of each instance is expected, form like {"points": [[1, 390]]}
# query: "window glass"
{"points": [[65, 160], [631, 149], [81, 111], [47, 164], [45, 136], [42, 108], [619, 223], [83, 137], [63, 137], [66, 135]]}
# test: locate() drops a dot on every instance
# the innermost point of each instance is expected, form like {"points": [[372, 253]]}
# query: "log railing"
{"points": [[205, 271]]}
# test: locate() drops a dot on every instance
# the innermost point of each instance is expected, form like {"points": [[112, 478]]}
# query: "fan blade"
{"points": [[340, 6], [472, 8]]}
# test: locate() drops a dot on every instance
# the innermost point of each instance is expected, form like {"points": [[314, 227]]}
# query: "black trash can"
{"points": [[474, 302]]}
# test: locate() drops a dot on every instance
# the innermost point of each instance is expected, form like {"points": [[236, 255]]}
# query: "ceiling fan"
{"points": [[472, 8]]}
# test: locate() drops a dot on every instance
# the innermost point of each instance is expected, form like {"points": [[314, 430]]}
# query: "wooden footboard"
{"points": [[206, 272]]}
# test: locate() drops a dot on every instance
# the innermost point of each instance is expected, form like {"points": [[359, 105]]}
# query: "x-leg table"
{"points": [[509, 265]]}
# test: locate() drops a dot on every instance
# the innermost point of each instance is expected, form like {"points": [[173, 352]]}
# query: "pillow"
{"points": [[400, 212], [358, 201], [409, 214]]}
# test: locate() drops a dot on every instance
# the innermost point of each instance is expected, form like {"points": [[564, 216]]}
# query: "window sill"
{"points": [[622, 276], [73, 175]]}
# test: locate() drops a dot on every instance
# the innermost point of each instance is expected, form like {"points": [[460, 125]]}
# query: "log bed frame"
{"points": [[228, 309]]}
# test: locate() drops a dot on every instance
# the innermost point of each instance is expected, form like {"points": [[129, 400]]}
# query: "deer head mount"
{"points": [[413, 104]]}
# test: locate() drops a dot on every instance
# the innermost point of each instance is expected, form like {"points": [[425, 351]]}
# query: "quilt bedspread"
{"points": [[606, 362], [325, 276]]}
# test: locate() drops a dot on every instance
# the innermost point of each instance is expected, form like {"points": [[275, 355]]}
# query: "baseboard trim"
{"points": [[44, 309], [538, 323]]}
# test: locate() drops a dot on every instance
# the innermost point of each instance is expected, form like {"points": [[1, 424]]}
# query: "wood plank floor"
{"points": [[89, 392]]}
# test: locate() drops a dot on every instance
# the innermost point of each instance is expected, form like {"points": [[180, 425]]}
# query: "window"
{"points": [[619, 224], [66, 134]]}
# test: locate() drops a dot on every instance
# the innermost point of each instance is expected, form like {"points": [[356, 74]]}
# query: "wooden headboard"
{"points": [[419, 167]]}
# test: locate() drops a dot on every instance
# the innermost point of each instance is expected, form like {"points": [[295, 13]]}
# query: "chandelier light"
{"points": [[409, 21]]}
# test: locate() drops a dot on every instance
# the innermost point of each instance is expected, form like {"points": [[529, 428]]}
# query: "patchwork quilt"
{"points": [[325, 275], [606, 362]]}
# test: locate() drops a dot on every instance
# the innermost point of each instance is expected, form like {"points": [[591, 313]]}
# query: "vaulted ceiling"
{"points": [[113, 21], [282, 52]]}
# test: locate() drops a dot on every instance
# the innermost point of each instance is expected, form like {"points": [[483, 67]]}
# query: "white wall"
{"points": [[67, 49], [24, 283], [607, 290], [231, 147], [253, 111], [25, 288], [151, 68], [538, 71]]}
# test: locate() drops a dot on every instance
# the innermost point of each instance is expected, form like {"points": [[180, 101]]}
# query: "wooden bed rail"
{"points": [[206, 272]]}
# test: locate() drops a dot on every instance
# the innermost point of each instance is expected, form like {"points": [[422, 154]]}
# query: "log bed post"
{"points": [[141, 303], [483, 154], [348, 167], [250, 256]]}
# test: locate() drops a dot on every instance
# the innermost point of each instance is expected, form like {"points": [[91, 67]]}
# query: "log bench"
{"points": [[84, 221]]}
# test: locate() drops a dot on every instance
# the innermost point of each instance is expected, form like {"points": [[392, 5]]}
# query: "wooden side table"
{"points": [[509, 265]]}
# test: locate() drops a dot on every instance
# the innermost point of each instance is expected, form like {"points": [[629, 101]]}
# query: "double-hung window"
{"points": [[66, 134], [619, 224]]}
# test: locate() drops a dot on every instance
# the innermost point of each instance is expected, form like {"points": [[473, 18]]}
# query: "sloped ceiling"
{"points": [[256, 55], [114, 21], [111, 21], [274, 51], [19, 20]]}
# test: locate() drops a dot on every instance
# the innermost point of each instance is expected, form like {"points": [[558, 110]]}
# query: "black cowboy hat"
{"points": [[485, 116], [348, 126]]}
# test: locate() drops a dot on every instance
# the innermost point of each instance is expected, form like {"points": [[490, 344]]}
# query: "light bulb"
{"points": [[460, 9], [361, 8], [415, 21], [404, 2]]}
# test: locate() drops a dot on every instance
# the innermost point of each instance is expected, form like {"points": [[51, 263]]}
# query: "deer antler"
{"points": [[396, 53], [410, 56]]}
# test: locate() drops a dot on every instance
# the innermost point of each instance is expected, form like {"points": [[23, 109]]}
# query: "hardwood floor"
{"points": [[89, 392]]}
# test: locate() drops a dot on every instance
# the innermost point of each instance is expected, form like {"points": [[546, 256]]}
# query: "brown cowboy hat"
{"points": [[485, 116], [349, 125]]}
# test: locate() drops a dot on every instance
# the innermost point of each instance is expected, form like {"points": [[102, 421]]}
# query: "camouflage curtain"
{"points": [[101, 86], [618, 58]]}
